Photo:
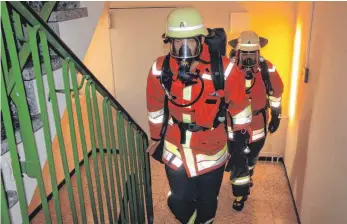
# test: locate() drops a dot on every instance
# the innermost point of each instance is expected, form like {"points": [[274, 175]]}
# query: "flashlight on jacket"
{"points": [[247, 150]]}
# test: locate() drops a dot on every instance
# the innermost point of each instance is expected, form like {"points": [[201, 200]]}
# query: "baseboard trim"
{"points": [[292, 195], [270, 158]]}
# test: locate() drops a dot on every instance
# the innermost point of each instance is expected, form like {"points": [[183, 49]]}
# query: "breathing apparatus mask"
{"points": [[186, 51], [249, 61]]}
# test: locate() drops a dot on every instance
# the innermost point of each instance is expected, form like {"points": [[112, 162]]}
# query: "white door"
{"points": [[136, 43]]}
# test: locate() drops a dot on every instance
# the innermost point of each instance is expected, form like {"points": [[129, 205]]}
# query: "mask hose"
{"points": [[184, 105]]}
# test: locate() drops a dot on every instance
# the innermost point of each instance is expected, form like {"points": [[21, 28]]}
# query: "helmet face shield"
{"points": [[185, 48], [249, 59]]}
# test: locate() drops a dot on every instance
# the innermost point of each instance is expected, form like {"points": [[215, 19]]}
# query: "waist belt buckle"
{"points": [[193, 127]]}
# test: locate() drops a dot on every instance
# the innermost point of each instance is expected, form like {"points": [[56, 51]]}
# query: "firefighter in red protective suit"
{"points": [[187, 129], [264, 88]]}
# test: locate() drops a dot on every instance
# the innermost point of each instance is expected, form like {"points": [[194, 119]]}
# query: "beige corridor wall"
{"points": [[98, 57], [316, 144], [297, 141]]}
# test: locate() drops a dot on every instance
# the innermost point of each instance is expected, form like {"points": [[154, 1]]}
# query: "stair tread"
{"points": [[29, 74], [36, 123], [12, 198], [65, 15], [61, 5]]}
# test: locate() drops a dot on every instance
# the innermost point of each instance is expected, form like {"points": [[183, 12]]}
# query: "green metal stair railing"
{"points": [[118, 148]]}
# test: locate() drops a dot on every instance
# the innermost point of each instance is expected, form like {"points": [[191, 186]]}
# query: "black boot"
{"points": [[239, 203]]}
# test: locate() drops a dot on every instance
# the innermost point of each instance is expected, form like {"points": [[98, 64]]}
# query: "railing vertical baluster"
{"points": [[116, 164], [5, 216], [148, 185], [66, 78], [33, 33], [57, 122], [83, 139], [132, 157], [17, 173], [4, 60], [101, 150], [109, 157], [140, 172], [93, 144], [122, 153], [32, 163]]}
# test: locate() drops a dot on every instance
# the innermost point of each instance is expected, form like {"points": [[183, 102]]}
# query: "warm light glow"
{"points": [[295, 72]]}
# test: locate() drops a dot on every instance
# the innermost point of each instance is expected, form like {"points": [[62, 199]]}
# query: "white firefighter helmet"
{"points": [[185, 22], [248, 41]]}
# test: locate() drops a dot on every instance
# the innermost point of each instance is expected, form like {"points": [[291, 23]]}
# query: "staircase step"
{"points": [[63, 11], [34, 113], [36, 124], [25, 39], [29, 74], [31, 97], [12, 198], [64, 5], [53, 26], [61, 5], [66, 15]]}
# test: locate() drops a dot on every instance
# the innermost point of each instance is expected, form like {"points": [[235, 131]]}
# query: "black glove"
{"points": [[275, 119]]}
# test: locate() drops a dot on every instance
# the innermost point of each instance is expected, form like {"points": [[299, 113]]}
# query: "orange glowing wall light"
{"points": [[295, 72]]}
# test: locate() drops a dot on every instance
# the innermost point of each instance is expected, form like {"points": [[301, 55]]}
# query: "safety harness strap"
{"points": [[266, 76], [166, 80], [256, 112]]}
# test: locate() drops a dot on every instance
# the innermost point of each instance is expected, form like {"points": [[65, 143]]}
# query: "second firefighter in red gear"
{"points": [[264, 88]]}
